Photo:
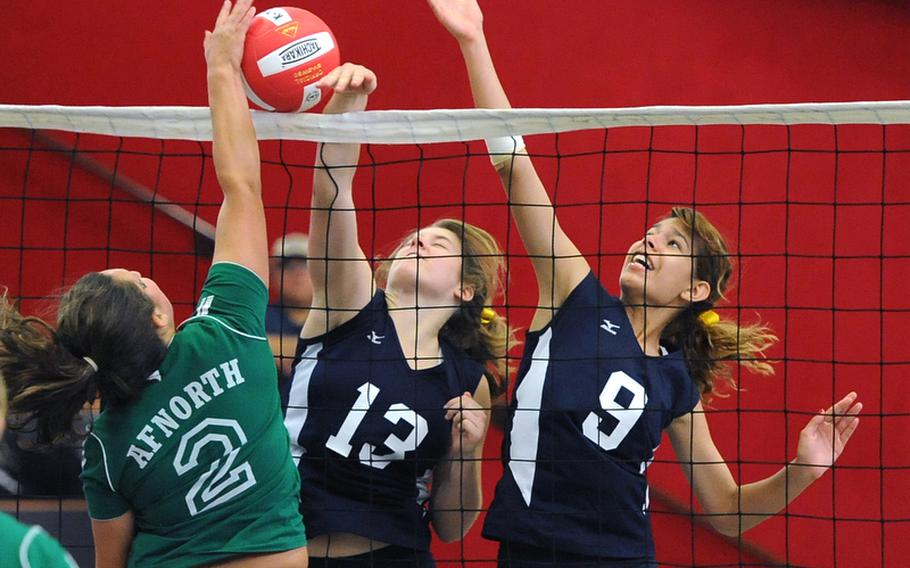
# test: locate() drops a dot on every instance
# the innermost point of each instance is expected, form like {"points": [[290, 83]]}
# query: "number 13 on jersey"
{"points": [[340, 443]]}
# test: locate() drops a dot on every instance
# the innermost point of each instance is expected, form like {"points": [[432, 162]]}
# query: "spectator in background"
{"points": [[284, 319]]}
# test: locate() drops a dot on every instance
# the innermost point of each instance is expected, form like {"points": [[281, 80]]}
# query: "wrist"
{"points": [[341, 103], [222, 70], [472, 39], [503, 149], [805, 473]]}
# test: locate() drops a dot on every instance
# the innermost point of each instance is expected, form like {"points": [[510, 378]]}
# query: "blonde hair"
{"points": [[708, 346], [482, 335]]}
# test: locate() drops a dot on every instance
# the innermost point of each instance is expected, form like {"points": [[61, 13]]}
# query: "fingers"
{"points": [[247, 19], [239, 16], [455, 405], [223, 13], [843, 404], [350, 78], [816, 422], [241, 11]]}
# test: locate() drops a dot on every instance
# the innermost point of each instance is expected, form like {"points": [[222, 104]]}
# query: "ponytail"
{"points": [[709, 342], [104, 345], [709, 345]]}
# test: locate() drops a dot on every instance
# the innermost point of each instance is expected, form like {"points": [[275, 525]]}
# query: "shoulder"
{"points": [[466, 372], [373, 317], [237, 274], [589, 293], [683, 393]]}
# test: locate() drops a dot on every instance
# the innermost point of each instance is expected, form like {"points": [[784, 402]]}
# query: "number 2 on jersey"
{"points": [[340, 443], [222, 482]]}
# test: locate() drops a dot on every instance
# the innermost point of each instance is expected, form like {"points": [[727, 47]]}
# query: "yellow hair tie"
{"points": [[487, 315], [709, 317]]}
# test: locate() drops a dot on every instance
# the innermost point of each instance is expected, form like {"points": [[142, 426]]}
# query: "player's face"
{"points": [[433, 255], [296, 287], [148, 287], [658, 268]]}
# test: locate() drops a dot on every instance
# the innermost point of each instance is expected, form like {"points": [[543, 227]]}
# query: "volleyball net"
{"points": [[813, 199]]}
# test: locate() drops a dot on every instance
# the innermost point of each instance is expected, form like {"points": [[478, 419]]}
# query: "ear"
{"points": [[465, 293], [699, 291], [159, 319]]}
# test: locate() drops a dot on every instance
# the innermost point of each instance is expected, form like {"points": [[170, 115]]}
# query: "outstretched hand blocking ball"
{"points": [[287, 51]]}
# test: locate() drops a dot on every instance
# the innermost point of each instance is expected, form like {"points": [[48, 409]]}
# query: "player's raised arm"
{"points": [[733, 509], [557, 262], [342, 278], [240, 235]]}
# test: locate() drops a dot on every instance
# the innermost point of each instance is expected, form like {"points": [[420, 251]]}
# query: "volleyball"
{"points": [[287, 51]]}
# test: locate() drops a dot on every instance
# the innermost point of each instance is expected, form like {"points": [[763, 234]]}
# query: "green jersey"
{"points": [[202, 457], [26, 547]]}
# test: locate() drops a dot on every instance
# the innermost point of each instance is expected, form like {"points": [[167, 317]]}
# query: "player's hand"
{"points": [[462, 18], [823, 439], [469, 424], [224, 44], [352, 85]]}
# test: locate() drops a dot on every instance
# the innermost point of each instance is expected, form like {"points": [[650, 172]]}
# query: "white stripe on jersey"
{"points": [[525, 433], [107, 473], [238, 332], [26, 542], [298, 399]]}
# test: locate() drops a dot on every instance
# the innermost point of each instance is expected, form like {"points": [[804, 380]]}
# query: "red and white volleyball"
{"points": [[286, 51]]}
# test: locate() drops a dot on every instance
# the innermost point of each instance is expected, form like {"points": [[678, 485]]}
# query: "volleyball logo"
{"points": [[287, 51]]}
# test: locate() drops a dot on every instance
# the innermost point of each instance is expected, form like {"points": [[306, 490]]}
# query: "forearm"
{"points": [[234, 148], [530, 202], [457, 497], [485, 85], [753, 503], [337, 163]]}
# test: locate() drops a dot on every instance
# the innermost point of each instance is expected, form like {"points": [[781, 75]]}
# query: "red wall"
{"points": [[570, 54]]}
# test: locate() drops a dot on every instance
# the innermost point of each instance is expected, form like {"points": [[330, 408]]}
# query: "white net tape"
{"points": [[426, 126]]}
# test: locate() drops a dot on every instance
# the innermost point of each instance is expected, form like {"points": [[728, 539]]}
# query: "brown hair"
{"points": [[483, 269], [709, 346], [48, 378]]}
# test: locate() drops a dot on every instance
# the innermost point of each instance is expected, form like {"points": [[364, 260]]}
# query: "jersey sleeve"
{"points": [[42, 550], [235, 297], [686, 394], [372, 317], [104, 502]]}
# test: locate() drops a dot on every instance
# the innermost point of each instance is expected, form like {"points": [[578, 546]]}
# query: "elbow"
{"points": [[455, 527], [727, 527], [726, 523], [236, 183], [449, 537], [455, 532]]}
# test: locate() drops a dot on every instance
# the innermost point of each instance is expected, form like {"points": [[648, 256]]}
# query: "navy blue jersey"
{"points": [[367, 430], [587, 415]]}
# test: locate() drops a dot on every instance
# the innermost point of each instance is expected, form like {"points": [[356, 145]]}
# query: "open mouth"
{"points": [[643, 260]]}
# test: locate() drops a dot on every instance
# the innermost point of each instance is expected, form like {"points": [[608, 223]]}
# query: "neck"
{"points": [[167, 334], [418, 328], [648, 323]]}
